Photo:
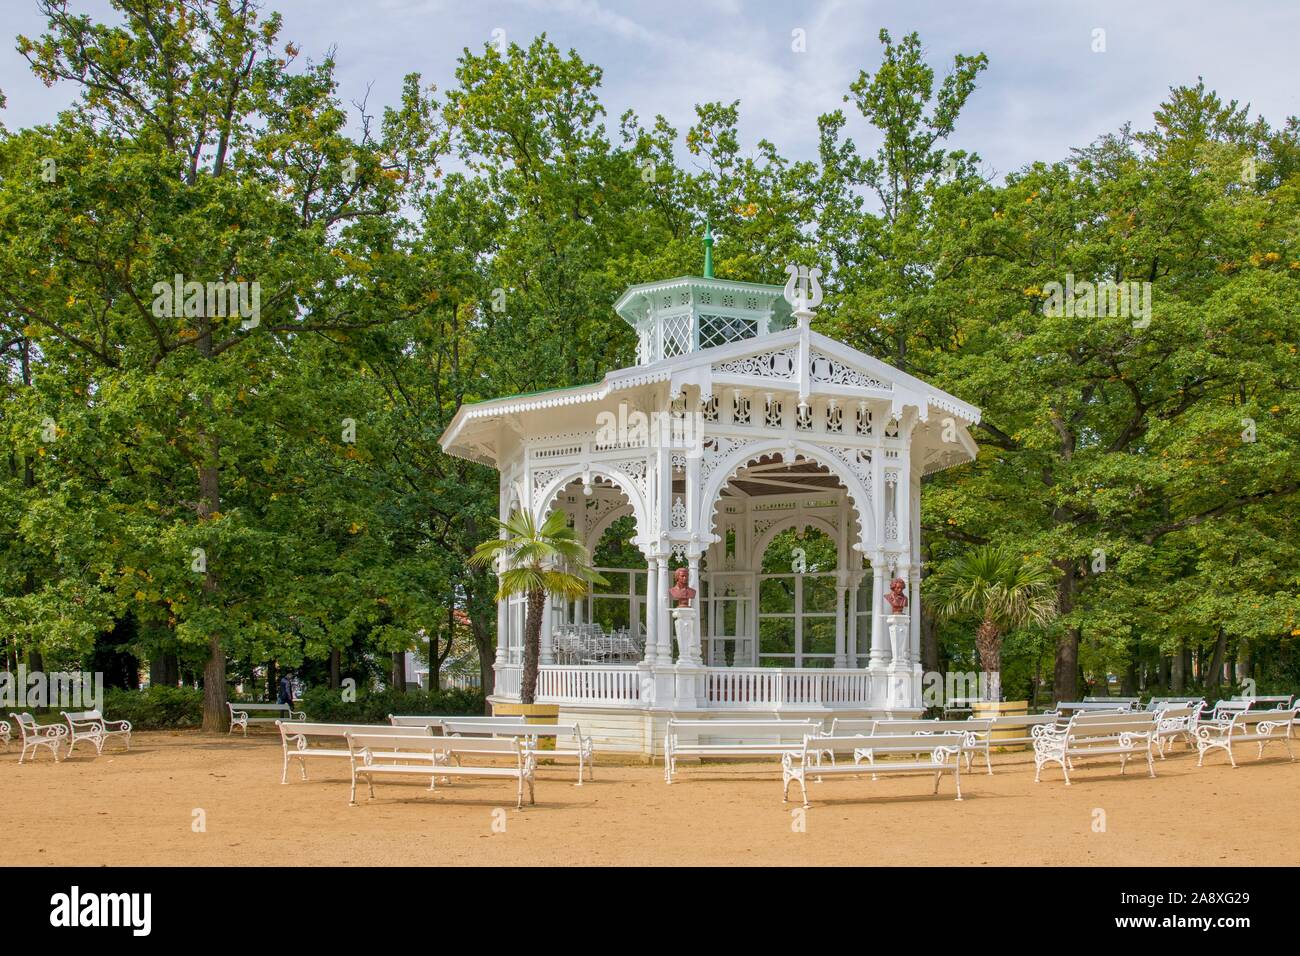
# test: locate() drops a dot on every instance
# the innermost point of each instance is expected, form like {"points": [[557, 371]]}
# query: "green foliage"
{"points": [[301, 454], [155, 708], [324, 704]]}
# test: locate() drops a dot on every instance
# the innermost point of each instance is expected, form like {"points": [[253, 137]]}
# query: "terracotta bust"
{"points": [[681, 591], [896, 598]]}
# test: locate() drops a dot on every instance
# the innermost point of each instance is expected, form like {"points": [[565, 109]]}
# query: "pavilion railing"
{"points": [[749, 688], [589, 684], [727, 688]]}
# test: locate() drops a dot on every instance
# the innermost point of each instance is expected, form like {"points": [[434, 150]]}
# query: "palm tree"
{"points": [[1000, 587], [538, 562]]}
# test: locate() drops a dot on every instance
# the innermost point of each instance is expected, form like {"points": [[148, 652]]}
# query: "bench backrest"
{"points": [[887, 743], [302, 728], [458, 728], [1283, 699], [82, 715], [851, 726], [1114, 727], [1173, 711], [248, 705], [746, 729], [1250, 719], [1110, 704], [414, 720], [432, 745], [1109, 716], [1131, 701], [1228, 708], [978, 725], [1159, 703], [1019, 721]]}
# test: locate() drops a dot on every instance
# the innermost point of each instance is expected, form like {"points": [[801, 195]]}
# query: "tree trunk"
{"points": [[1065, 669], [216, 716], [1165, 662], [272, 679], [335, 660], [397, 675], [532, 646], [988, 639], [1215, 675]]}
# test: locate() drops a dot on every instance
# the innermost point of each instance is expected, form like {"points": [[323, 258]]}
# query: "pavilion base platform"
{"points": [[652, 695]]}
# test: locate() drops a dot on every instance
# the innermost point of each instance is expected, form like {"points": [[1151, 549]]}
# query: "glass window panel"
{"points": [[776, 636], [819, 594], [819, 635], [776, 595]]}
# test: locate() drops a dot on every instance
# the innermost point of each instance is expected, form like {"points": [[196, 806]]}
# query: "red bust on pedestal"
{"points": [[896, 598], [681, 591]]}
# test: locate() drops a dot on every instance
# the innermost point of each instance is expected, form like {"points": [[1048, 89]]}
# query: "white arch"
{"points": [[617, 478], [789, 448], [760, 546], [598, 531]]}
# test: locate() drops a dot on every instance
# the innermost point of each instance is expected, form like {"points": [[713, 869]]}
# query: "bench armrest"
{"points": [[297, 714], [78, 725], [118, 726]]}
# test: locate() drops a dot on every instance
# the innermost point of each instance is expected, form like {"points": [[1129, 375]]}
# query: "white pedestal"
{"points": [[899, 628], [688, 636]]}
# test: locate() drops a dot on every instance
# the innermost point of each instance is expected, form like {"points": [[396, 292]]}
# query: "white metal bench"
{"points": [[1067, 708], [1176, 720], [1125, 735], [241, 714], [1121, 703], [436, 722], [39, 735], [1156, 703], [1251, 726], [1011, 730], [926, 753], [91, 725], [301, 739], [1227, 709], [740, 738], [1279, 701], [974, 734], [569, 739], [373, 754]]}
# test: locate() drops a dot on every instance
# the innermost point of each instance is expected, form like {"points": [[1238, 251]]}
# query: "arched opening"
{"points": [[783, 585], [608, 624]]}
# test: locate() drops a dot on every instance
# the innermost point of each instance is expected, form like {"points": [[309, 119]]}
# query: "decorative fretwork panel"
{"points": [[826, 370], [834, 419], [803, 418], [863, 419], [715, 450], [709, 408], [740, 409], [772, 412], [779, 363]]}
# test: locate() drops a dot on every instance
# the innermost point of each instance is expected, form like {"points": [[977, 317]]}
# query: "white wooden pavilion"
{"points": [[738, 423]]}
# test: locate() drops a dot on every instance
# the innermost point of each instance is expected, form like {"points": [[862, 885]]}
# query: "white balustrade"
{"points": [[750, 688], [728, 688], [595, 684]]}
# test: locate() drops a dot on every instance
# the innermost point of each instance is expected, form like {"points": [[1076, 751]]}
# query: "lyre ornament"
{"points": [[802, 290]]}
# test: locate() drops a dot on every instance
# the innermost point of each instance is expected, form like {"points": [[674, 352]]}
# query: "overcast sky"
{"points": [[1045, 89]]}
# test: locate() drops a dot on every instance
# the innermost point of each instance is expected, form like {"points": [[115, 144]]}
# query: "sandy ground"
{"points": [[138, 807]]}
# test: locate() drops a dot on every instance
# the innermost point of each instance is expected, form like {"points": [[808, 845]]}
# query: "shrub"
{"points": [[373, 707], [155, 708]]}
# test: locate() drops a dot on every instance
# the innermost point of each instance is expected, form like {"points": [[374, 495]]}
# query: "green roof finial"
{"points": [[708, 249]]}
